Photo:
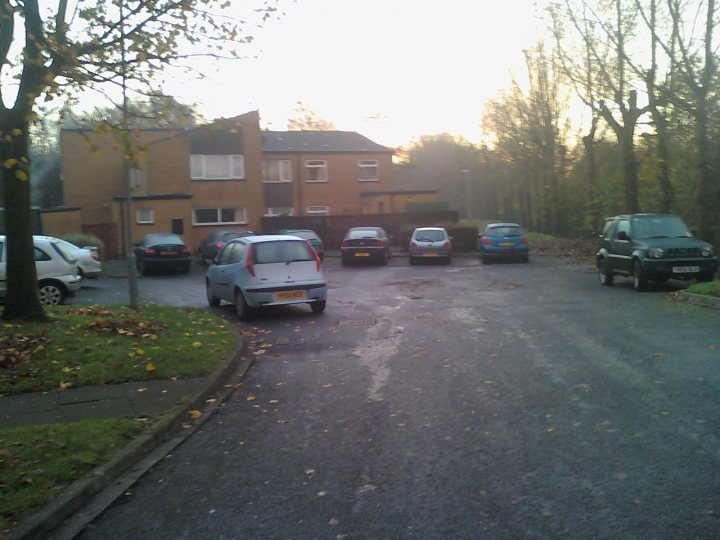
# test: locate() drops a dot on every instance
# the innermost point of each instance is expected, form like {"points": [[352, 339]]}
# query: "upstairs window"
{"points": [[220, 167], [278, 211], [368, 170], [316, 170], [278, 170]]}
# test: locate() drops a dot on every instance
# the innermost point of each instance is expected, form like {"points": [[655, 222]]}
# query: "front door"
{"points": [[177, 226]]}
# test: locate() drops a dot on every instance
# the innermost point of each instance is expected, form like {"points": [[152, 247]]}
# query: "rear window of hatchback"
{"points": [[282, 251], [504, 231], [430, 235]]}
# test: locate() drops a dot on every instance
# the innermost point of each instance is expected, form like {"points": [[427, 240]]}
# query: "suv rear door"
{"points": [[620, 249]]}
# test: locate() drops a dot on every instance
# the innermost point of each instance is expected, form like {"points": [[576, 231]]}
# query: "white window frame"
{"points": [[199, 167], [366, 164], [317, 210], [278, 211], [149, 221], [239, 212], [316, 164], [284, 169]]}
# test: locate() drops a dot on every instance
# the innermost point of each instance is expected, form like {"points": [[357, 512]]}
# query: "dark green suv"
{"points": [[652, 247]]}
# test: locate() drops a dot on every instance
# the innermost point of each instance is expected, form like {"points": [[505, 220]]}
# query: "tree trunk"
{"points": [[627, 143], [707, 209], [22, 302]]}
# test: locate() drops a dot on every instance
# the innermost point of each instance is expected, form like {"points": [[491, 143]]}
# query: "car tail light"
{"points": [[344, 243], [413, 245], [318, 262], [219, 245], [249, 263], [523, 240], [446, 245], [486, 241], [186, 250], [379, 243], [149, 251], [94, 255]]}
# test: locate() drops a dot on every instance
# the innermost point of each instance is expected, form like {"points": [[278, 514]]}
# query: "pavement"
{"points": [[169, 400]]}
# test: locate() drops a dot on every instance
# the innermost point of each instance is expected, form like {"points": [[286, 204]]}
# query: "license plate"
{"points": [[431, 254], [685, 269], [507, 244], [164, 253], [290, 295], [362, 254]]}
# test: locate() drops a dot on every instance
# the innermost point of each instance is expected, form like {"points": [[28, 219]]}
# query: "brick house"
{"points": [[229, 175]]}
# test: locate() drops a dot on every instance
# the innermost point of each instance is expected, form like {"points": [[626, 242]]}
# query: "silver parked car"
{"points": [[57, 270], [89, 265], [267, 270], [430, 242]]}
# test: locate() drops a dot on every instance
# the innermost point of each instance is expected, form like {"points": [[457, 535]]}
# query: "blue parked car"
{"points": [[503, 241]]}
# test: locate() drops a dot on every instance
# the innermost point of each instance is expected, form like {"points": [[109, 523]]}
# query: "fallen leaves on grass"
{"points": [[127, 327], [17, 348]]}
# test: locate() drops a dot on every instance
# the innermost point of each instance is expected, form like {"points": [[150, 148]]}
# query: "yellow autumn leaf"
{"points": [[66, 369], [250, 398], [197, 345], [65, 385], [150, 367], [194, 414], [9, 163], [16, 132], [21, 175], [139, 352]]}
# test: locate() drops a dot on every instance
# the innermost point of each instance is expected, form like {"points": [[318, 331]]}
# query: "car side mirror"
{"points": [[622, 235]]}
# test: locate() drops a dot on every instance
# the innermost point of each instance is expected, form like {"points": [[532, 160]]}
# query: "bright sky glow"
{"points": [[390, 69]]}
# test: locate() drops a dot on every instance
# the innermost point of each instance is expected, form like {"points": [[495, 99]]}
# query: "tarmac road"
{"points": [[467, 401]]}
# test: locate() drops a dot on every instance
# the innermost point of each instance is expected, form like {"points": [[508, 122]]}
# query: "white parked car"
{"points": [[57, 270], [89, 264], [267, 270], [430, 242]]}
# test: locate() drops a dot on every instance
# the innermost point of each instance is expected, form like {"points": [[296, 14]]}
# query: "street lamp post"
{"points": [[468, 205]]}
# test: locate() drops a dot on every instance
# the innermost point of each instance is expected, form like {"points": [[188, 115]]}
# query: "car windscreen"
{"points": [[429, 236], [362, 234], [280, 251], [659, 227], [504, 231], [64, 252], [156, 239]]}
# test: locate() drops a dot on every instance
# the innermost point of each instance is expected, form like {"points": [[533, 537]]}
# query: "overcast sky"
{"points": [[390, 69]]}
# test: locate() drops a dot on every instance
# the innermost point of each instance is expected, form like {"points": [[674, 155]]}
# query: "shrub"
{"points": [[82, 240]]}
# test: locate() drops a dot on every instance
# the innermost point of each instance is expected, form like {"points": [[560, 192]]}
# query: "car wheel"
{"points": [[448, 260], [640, 281], [704, 278], [185, 268], [412, 261], [51, 294], [525, 259], [318, 306], [604, 276], [143, 268], [484, 259], [213, 300], [345, 261], [384, 259], [242, 309]]}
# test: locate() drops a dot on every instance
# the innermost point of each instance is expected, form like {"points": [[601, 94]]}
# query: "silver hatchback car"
{"points": [[430, 242], [267, 270]]}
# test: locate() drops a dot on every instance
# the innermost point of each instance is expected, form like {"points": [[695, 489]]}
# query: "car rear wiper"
{"points": [[298, 260]]}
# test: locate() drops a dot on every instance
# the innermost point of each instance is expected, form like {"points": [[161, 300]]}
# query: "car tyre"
{"points": [[51, 294], [143, 268], [640, 281], [604, 276], [704, 278], [242, 309], [412, 261], [384, 259], [345, 261], [484, 259], [448, 260], [318, 306], [185, 268], [213, 300]]}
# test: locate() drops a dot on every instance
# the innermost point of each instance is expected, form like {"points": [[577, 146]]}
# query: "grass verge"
{"points": [[711, 288], [110, 344], [38, 462]]}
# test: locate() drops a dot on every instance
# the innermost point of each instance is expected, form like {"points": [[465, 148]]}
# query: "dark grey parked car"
{"points": [[652, 247], [365, 244], [215, 241], [162, 250]]}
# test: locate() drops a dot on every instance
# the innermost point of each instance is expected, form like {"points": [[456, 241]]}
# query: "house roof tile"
{"points": [[287, 142]]}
